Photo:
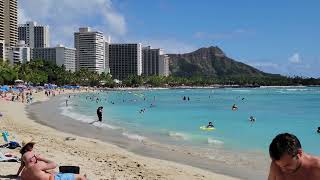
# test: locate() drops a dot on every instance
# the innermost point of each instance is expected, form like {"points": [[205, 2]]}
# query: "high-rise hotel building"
{"points": [[8, 22], [90, 50], [35, 36], [155, 62], [125, 60]]}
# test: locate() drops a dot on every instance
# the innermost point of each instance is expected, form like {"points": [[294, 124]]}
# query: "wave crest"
{"points": [[134, 136]]}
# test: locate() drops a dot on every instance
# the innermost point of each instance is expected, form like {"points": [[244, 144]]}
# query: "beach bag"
{"points": [[13, 145], [69, 169]]}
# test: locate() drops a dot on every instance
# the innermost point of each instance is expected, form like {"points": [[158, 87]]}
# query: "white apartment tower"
{"points": [[35, 36], [125, 60], [155, 62], [164, 65], [19, 54], [8, 22], [106, 55], [90, 50], [59, 55]]}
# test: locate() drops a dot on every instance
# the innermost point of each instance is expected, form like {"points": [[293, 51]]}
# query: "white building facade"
{"points": [[35, 36], [20, 54], [59, 55], [90, 50], [164, 65]]}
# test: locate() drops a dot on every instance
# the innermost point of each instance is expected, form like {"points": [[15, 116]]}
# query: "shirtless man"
{"points": [[289, 162], [37, 171]]}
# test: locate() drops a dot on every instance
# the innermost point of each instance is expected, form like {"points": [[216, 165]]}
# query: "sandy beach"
{"points": [[97, 159]]}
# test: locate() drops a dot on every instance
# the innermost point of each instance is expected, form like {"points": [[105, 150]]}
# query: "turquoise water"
{"points": [[172, 120]]}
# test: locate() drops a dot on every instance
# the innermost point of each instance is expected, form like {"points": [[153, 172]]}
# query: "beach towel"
{"points": [[5, 135], [4, 145], [4, 158]]}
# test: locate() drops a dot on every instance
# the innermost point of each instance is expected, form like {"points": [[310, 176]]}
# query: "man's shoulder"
{"points": [[314, 163]]}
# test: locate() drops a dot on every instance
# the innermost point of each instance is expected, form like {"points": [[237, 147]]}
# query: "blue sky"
{"points": [[274, 36]]}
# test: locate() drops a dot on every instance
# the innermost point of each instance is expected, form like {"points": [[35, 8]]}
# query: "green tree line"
{"points": [[41, 72]]}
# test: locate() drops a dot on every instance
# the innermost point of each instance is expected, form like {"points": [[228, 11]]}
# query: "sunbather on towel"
{"points": [[34, 171], [27, 152]]}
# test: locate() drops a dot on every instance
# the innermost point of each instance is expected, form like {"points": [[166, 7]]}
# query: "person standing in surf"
{"points": [[99, 113]]}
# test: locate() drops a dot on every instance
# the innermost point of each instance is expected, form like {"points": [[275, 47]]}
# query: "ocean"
{"points": [[164, 116]]}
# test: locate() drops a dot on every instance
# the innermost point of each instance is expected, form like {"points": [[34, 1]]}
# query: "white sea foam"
{"points": [[66, 111], [280, 86], [241, 90], [177, 135], [215, 141], [103, 125], [282, 92], [134, 136], [296, 89]]}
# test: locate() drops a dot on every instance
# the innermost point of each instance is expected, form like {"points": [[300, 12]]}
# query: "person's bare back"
{"points": [[36, 167], [34, 172]]}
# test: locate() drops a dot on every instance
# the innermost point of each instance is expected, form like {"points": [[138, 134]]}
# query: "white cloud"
{"points": [[295, 58], [64, 17], [116, 21]]}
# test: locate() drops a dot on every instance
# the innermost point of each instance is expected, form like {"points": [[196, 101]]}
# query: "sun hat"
{"points": [[27, 141]]}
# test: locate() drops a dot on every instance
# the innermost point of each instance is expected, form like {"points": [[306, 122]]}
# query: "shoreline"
{"points": [[97, 159], [148, 148]]}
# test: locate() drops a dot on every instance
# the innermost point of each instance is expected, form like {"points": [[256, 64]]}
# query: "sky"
{"points": [[276, 36]]}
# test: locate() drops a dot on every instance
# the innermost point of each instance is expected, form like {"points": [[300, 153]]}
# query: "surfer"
{"points": [[318, 131]]}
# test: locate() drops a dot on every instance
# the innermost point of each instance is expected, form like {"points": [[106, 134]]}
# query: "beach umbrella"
{"points": [[5, 87], [3, 90]]}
